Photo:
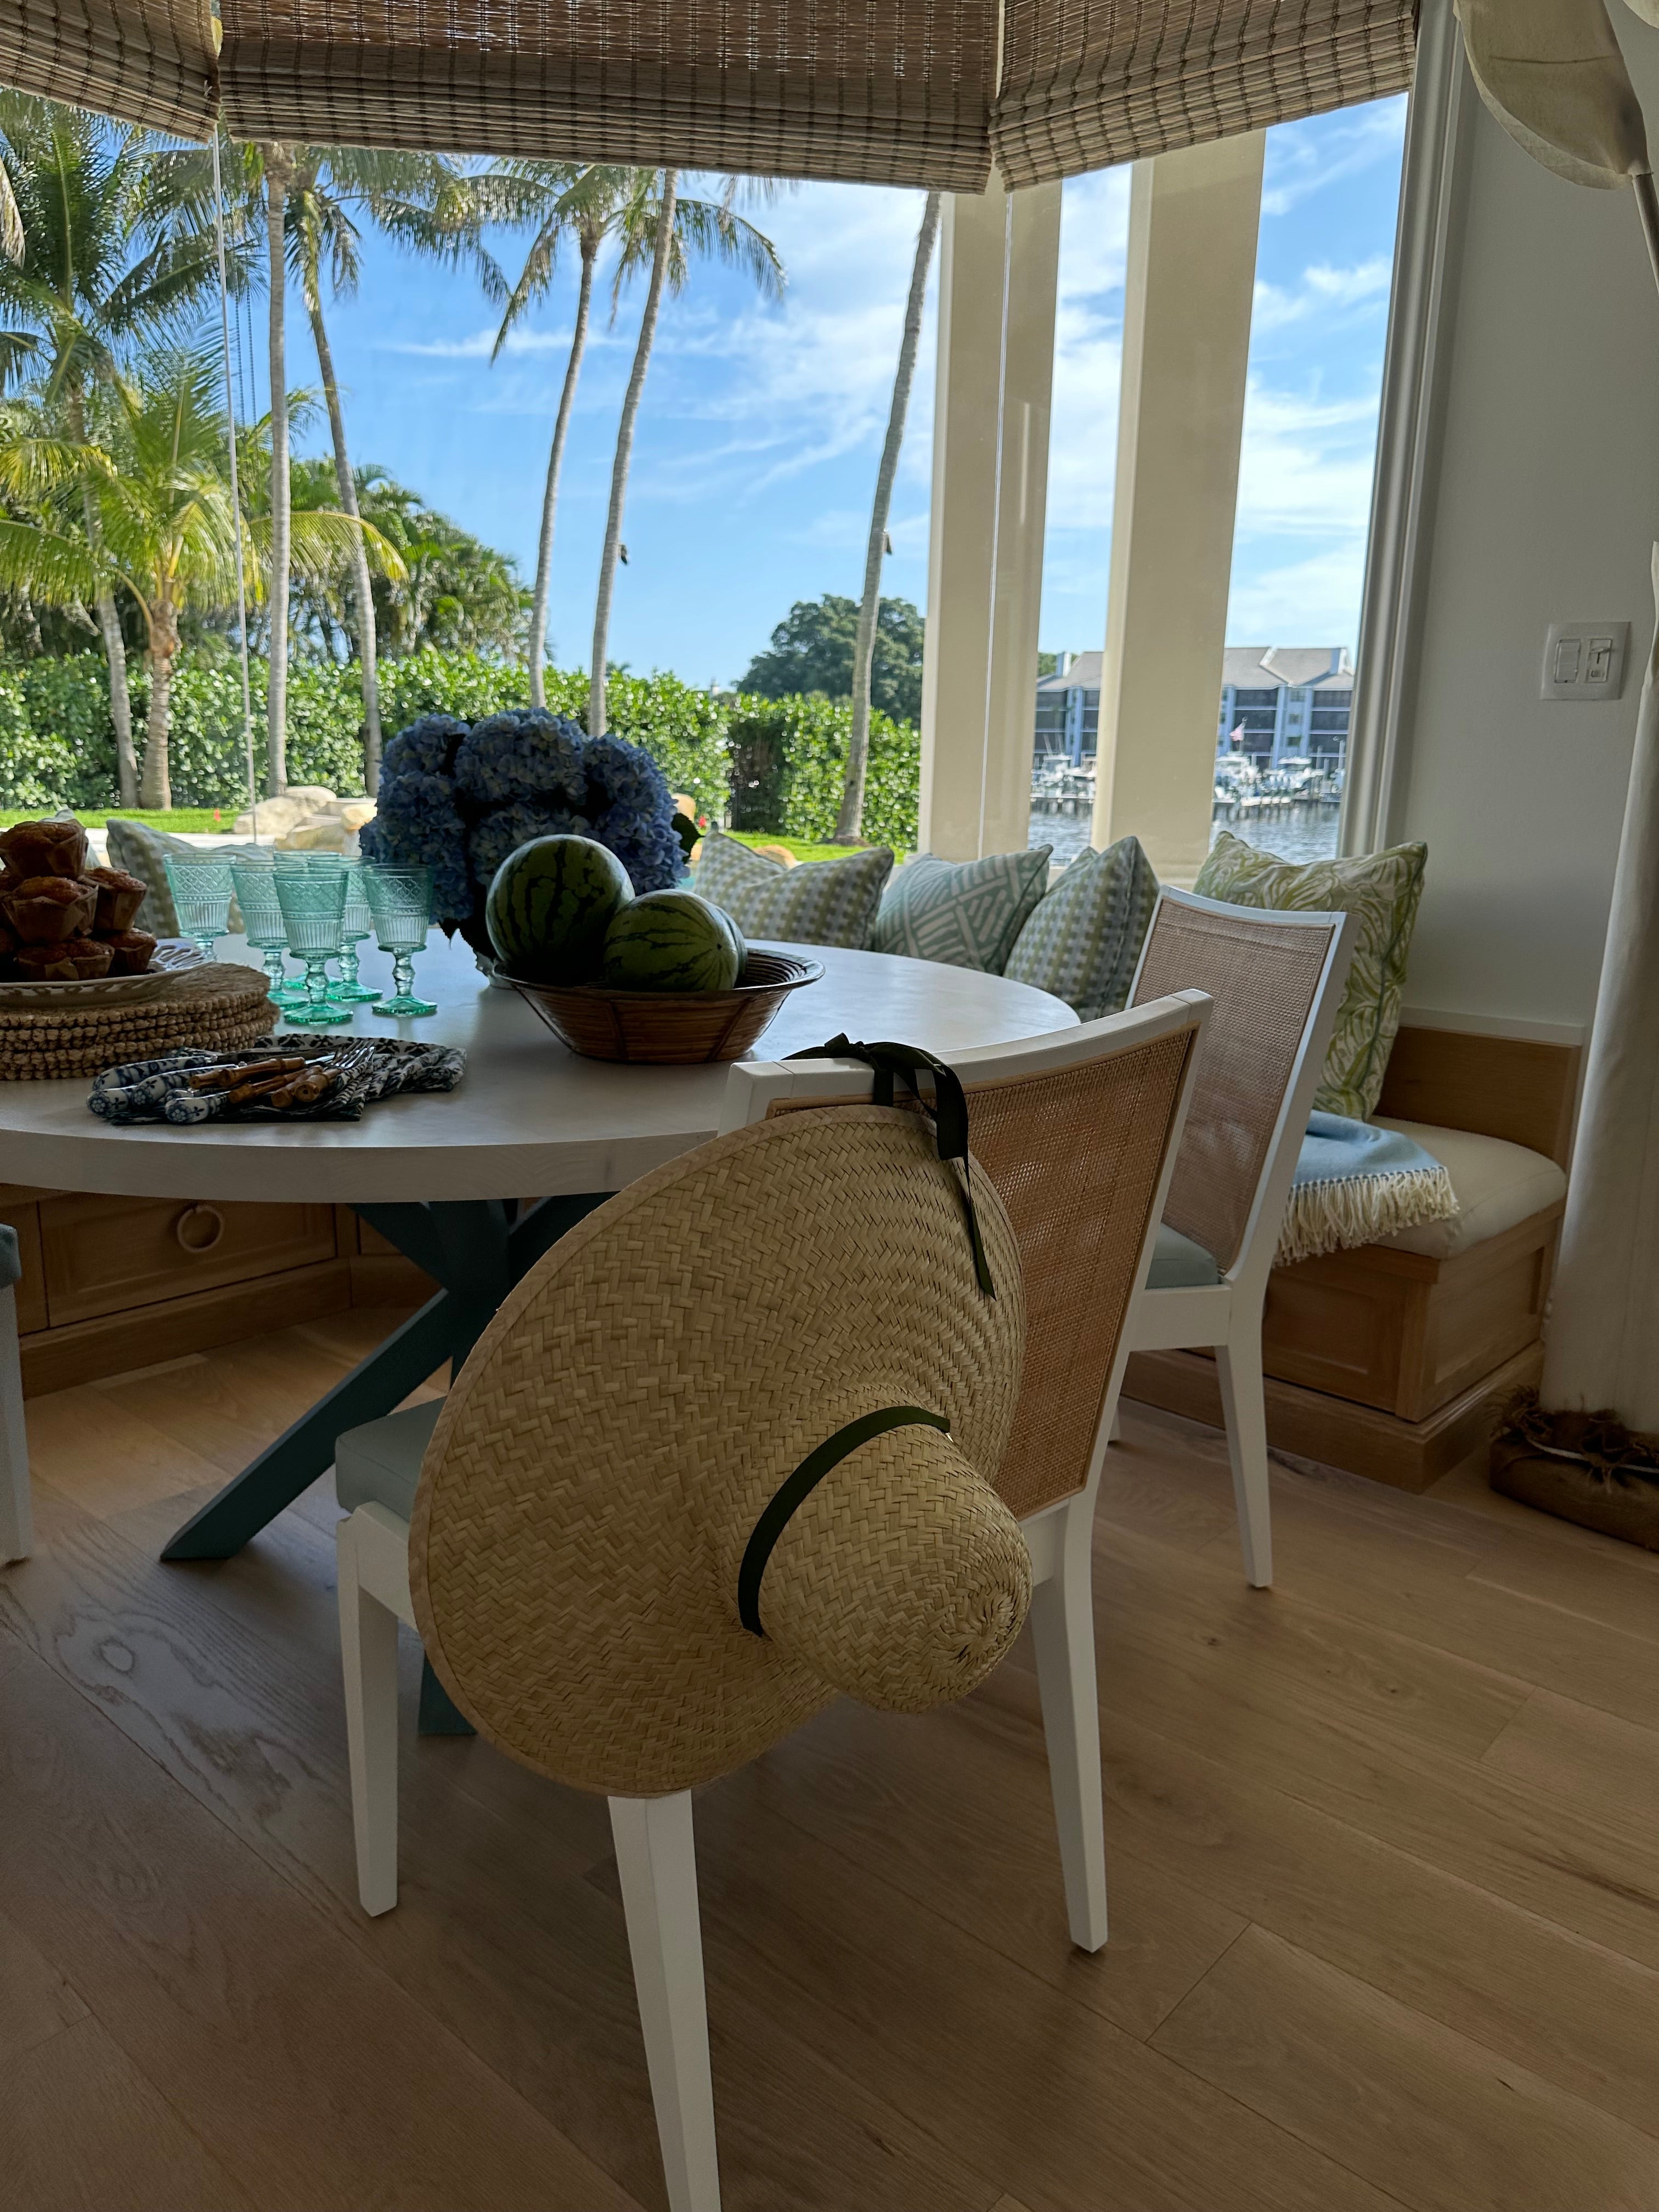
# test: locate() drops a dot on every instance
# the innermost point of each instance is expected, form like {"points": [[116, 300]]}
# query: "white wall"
{"points": [[1545, 506]]}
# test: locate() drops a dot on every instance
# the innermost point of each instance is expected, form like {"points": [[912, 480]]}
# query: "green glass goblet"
{"points": [[313, 907], [201, 899], [358, 925], [400, 902], [264, 928]]}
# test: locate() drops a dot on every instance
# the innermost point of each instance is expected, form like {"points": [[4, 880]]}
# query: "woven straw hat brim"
{"points": [[640, 1397]]}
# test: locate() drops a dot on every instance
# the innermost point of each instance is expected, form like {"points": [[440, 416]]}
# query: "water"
{"points": [[1293, 833]]}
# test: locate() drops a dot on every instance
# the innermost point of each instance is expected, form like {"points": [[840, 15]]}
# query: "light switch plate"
{"points": [[1584, 661]]}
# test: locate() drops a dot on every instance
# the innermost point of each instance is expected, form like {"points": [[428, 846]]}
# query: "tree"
{"points": [[657, 224], [812, 651], [850, 821], [167, 528], [277, 168], [109, 262]]}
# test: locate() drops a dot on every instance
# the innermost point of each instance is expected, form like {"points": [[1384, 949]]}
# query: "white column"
{"points": [[998, 271], [1193, 222]]}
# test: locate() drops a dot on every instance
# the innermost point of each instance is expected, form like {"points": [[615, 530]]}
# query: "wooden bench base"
{"points": [[1312, 1425]]}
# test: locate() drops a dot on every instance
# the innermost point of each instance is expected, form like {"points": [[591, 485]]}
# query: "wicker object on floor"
{"points": [[215, 1007]]}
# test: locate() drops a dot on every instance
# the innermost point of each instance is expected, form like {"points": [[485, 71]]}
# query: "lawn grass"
{"points": [[180, 818], [802, 850]]}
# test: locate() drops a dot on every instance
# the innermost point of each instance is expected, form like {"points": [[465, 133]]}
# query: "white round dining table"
{"points": [[446, 1175], [529, 1117]]}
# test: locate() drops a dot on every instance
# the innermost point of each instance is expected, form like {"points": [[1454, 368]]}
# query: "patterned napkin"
{"points": [[364, 1069]]}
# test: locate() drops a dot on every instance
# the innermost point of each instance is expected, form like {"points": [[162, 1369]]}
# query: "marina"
{"points": [[1291, 811]]}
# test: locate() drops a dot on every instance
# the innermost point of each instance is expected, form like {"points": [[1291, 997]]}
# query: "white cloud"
{"points": [[1323, 292], [1306, 158], [1311, 602], [1305, 465]]}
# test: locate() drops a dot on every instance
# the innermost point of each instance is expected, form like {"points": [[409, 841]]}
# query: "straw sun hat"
{"points": [[726, 1451]]}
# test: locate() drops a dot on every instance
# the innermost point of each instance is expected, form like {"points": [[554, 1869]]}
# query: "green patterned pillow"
{"points": [[1383, 889], [816, 902], [1083, 940], [968, 914]]}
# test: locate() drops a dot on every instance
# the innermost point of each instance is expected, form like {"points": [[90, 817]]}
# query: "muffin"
{"points": [[46, 909], [132, 951], [119, 898], [44, 848], [78, 959]]}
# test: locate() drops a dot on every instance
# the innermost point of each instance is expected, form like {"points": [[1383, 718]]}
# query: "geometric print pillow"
{"points": [[144, 851], [816, 902], [1082, 942], [967, 913], [1384, 890]]}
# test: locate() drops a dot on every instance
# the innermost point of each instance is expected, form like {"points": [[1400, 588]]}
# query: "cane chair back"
{"points": [[1264, 973], [1078, 1132]]}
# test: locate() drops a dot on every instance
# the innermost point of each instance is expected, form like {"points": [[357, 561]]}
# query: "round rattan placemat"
{"points": [[217, 1008]]}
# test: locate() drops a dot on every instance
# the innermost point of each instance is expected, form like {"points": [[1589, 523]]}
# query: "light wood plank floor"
{"points": [[1383, 1851]]}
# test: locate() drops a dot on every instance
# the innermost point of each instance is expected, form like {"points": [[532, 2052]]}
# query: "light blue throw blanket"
{"points": [[1354, 1183]]}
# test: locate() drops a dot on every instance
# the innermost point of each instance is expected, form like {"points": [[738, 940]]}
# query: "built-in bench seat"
{"points": [[1392, 1359]]}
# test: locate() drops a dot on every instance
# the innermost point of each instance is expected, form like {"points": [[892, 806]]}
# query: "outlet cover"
{"points": [[1584, 661]]}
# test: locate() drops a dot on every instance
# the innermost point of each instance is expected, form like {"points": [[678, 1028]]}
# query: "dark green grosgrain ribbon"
{"points": [[948, 1113], [796, 1488]]}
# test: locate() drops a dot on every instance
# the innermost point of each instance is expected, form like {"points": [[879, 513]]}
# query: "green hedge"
{"points": [[777, 764], [789, 763]]}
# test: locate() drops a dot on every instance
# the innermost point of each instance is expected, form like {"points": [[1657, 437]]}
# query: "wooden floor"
{"points": [[1383, 1846]]}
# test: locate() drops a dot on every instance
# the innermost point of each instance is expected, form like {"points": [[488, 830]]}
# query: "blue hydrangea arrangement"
{"points": [[462, 796]]}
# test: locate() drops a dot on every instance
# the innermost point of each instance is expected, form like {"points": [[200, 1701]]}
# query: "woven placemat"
{"points": [[216, 1007]]}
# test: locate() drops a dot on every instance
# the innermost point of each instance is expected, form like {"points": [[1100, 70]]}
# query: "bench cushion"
{"points": [[1498, 1185], [1178, 1264], [379, 1464]]}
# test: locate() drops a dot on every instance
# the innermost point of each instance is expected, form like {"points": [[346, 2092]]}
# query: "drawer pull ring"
{"points": [[199, 1228]]}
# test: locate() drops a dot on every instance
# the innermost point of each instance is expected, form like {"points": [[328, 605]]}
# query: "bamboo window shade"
{"points": [[894, 92]]}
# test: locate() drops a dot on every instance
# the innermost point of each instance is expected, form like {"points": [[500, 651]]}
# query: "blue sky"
{"points": [[762, 422]]}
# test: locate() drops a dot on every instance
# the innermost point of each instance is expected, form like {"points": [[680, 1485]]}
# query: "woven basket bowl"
{"points": [[670, 1029]]}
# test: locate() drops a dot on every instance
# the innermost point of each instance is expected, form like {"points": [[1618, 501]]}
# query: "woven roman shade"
{"points": [[145, 61], [893, 92], [1089, 82]]}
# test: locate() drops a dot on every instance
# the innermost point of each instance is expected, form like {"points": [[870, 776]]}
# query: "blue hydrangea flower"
{"points": [[525, 754], [508, 827], [415, 822], [637, 819], [422, 749]]}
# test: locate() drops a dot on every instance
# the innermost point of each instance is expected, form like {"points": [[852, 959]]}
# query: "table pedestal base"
{"points": [[476, 1249]]}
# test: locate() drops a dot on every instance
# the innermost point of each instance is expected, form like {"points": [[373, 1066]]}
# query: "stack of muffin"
{"points": [[60, 920]]}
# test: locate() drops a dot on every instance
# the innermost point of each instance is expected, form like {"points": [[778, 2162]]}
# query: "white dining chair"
{"points": [[1078, 1131], [1276, 980], [16, 1522]]}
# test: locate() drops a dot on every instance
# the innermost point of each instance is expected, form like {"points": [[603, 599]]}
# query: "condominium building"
{"points": [[1280, 704]]}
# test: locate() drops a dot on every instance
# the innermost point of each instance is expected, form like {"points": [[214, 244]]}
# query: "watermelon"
{"points": [[670, 941], [550, 905], [737, 939]]}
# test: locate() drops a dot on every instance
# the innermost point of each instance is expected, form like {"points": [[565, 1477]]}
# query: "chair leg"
{"points": [[657, 1861], [1063, 1630], [368, 1654], [16, 1522], [1238, 1366]]}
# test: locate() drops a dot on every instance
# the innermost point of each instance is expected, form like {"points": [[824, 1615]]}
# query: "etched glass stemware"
{"points": [[358, 925], [400, 901], [312, 900], [201, 899], [264, 928]]}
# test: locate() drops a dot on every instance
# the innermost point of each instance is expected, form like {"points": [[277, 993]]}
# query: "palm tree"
{"points": [[277, 172], [585, 201], [676, 229], [167, 527], [426, 202], [849, 822], [108, 262]]}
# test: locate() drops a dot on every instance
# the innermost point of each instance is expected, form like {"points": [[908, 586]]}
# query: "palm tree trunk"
{"points": [[277, 171], [109, 623], [849, 823], [156, 788], [363, 591], [590, 247], [630, 409]]}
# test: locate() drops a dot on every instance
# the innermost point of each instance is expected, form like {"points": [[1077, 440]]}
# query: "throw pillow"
{"points": [[144, 851], [1384, 890], [815, 902], [1083, 939], [968, 914]]}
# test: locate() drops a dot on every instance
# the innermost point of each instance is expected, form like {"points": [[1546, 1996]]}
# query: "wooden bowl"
{"points": [[670, 1029]]}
